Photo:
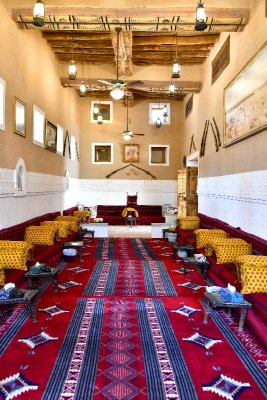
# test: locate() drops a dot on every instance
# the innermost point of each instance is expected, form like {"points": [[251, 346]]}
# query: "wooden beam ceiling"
{"points": [[156, 35]]}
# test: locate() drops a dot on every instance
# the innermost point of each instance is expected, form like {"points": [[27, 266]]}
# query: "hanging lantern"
{"points": [[39, 14], [72, 70], [99, 119], [82, 89], [201, 24]]}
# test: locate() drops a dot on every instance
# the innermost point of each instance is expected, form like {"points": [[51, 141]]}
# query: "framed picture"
{"points": [[105, 108], [131, 153], [102, 153], [50, 136], [2, 103], [245, 101], [19, 117]]}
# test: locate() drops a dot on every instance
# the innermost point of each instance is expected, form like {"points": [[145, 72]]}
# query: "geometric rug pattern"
{"points": [[130, 328]]}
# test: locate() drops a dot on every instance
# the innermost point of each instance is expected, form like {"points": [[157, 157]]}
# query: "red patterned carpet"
{"points": [[127, 326]]}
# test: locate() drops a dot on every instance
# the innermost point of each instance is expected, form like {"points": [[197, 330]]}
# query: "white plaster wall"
{"points": [[114, 191], [238, 199], [48, 193]]}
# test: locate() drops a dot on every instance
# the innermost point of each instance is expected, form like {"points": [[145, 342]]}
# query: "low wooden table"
{"points": [[214, 301], [201, 266], [29, 300], [33, 279]]}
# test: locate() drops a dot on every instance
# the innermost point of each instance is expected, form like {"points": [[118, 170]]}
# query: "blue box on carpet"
{"points": [[231, 297]]}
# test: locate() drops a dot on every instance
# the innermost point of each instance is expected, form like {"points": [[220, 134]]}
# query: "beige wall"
{"points": [[250, 154], [112, 133], [32, 74]]}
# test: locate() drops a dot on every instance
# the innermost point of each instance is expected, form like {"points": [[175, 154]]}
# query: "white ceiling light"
{"points": [[99, 119], [96, 108], [127, 135], [72, 70], [82, 89], [117, 93], [171, 88]]}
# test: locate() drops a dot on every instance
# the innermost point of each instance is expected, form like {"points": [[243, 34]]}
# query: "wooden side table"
{"points": [[214, 301], [29, 300], [33, 279], [201, 266]]}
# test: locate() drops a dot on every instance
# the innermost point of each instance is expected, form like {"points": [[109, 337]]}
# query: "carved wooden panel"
{"points": [[187, 201]]}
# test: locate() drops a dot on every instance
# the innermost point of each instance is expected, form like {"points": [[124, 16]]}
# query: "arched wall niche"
{"points": [[20, 178]]}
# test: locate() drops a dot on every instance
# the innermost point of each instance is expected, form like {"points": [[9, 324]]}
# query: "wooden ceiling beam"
{"points": [[91, 52], [97, 58], [77, 36], [136, 12]]}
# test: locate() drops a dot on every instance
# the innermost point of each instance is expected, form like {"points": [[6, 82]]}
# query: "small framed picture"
{"points": [[131, 153], [50, 136], [19, 117]]}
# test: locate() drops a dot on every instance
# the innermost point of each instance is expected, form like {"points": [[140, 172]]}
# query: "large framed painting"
{"points": [[245, 101], [50, 136], [131, 153]]}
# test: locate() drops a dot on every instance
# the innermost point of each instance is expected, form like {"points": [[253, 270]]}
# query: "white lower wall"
{"points": [[238, 199], [48, 193], [114, 191]]}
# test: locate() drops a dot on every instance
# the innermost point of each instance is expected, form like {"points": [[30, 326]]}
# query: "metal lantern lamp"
{"points": [[99, 119], [82, 89], [72, 71], [201, 24], [39, 13]]}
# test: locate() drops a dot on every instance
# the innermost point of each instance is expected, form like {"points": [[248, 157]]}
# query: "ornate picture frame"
{"points": [[19, 117], [102, 153], [131, 153], [50, 136], [245, 99]]}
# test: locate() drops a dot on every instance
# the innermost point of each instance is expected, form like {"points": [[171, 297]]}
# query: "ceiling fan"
{"points": [[128, 134], [117, 86]]}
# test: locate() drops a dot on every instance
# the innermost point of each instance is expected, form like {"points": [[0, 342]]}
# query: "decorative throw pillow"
{"points": [[228, 253], [129, 210], [209, 247], [204, 236], [17, 245], [13, 259], [250, 260], [73, 220], [189, 223], [63, 228], [40, 235], [81, 214], [254, 279]]}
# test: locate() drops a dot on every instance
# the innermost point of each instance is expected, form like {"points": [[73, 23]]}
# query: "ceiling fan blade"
{"points": [[105, 82], [138, 134], [134, 83]]}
